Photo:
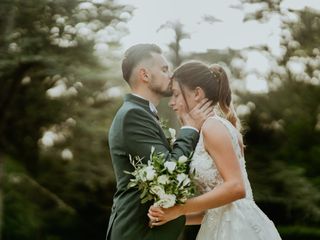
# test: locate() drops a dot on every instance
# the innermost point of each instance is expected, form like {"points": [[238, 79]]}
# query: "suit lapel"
{"points": [[145, 105], [164, 138]]}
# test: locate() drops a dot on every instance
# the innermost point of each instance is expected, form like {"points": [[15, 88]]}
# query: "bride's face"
{"points": [[190, 100]]}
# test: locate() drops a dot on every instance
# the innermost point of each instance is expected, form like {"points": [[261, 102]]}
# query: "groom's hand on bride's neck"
{"points": [[196, 116]]}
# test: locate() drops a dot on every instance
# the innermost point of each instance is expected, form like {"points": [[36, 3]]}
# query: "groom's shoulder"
{"points": [[129, 109]]}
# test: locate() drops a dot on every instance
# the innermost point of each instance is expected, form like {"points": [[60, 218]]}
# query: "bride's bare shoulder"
{"points": [[214, 130]]}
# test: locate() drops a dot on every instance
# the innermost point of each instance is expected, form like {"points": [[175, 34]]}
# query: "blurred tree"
{"points": [[56, 102], [283, 125], [175, 46]]}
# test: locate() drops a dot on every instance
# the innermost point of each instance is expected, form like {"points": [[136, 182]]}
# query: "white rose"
{"points": [[186, 181], [172, 133], [150, 172], [163, 179], [170, 166], [181, 177], [141, 175], [182, 159], [172, 136], [159, 191], [166, 201]]}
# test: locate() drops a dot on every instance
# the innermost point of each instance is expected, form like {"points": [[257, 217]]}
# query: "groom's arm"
{"points": [[141, 133]]}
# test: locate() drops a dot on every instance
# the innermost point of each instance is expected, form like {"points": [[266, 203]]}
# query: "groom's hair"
{"points": [[134, 55]]}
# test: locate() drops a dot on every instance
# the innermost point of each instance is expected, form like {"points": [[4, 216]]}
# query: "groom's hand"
{"points": [[196, 116]]}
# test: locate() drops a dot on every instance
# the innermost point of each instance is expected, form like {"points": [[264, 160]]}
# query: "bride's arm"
{"points": [[194, 218], [218, 144]]}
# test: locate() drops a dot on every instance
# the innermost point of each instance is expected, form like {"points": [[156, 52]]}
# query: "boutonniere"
{"points": [[170, 133]]}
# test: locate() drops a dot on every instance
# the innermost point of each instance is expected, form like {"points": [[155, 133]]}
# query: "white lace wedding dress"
{"points": [[239, 220]]}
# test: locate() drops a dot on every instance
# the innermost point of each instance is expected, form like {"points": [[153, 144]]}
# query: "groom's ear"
{"points": [[143, 74], [199, 94]]}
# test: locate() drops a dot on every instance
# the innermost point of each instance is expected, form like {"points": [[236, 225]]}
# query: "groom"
{"points": [[134, 130]]}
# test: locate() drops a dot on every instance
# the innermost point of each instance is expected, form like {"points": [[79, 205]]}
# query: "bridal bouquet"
{"points": [[165, 182]]}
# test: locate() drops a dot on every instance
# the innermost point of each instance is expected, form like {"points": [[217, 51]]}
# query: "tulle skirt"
{"points": [[240, 220]]}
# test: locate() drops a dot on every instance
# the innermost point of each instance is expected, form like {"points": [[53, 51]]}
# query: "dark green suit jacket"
{"points": [[134, 131]]}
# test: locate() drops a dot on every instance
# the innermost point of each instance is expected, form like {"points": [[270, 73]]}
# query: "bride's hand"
{"points": [[160, 216], [196, 116]]}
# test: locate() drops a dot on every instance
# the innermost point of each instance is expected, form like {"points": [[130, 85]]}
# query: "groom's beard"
{"points": [[159, 91], [167, 92]]}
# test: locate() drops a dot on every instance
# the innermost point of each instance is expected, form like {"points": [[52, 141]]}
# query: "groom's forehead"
{"points": [[160, 60]]}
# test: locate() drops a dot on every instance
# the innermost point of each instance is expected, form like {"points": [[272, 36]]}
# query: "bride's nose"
{"points": [[171, 103]]}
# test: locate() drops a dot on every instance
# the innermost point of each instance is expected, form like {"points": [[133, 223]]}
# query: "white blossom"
{"points": [[171, 166], [158, 190], [141, 175], [166, 201], [186, 181], [163, 179], [181, 177], [172, 132], [150, 172], [182, 159]]}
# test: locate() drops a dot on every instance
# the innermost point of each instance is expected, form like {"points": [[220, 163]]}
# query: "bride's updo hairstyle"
{"points": [[213, 80]]}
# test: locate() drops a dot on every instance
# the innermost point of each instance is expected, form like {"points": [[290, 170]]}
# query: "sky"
{"points": [[228, 32]]}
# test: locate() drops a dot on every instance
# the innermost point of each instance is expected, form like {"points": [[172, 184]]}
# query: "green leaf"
{"points": [[144, 193], [132, 184]]}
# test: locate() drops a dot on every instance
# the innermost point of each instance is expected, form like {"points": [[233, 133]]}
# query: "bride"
{"points": [[225, 209]]}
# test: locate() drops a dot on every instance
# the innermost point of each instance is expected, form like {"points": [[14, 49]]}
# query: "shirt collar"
{"points": [[151, 105]]}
